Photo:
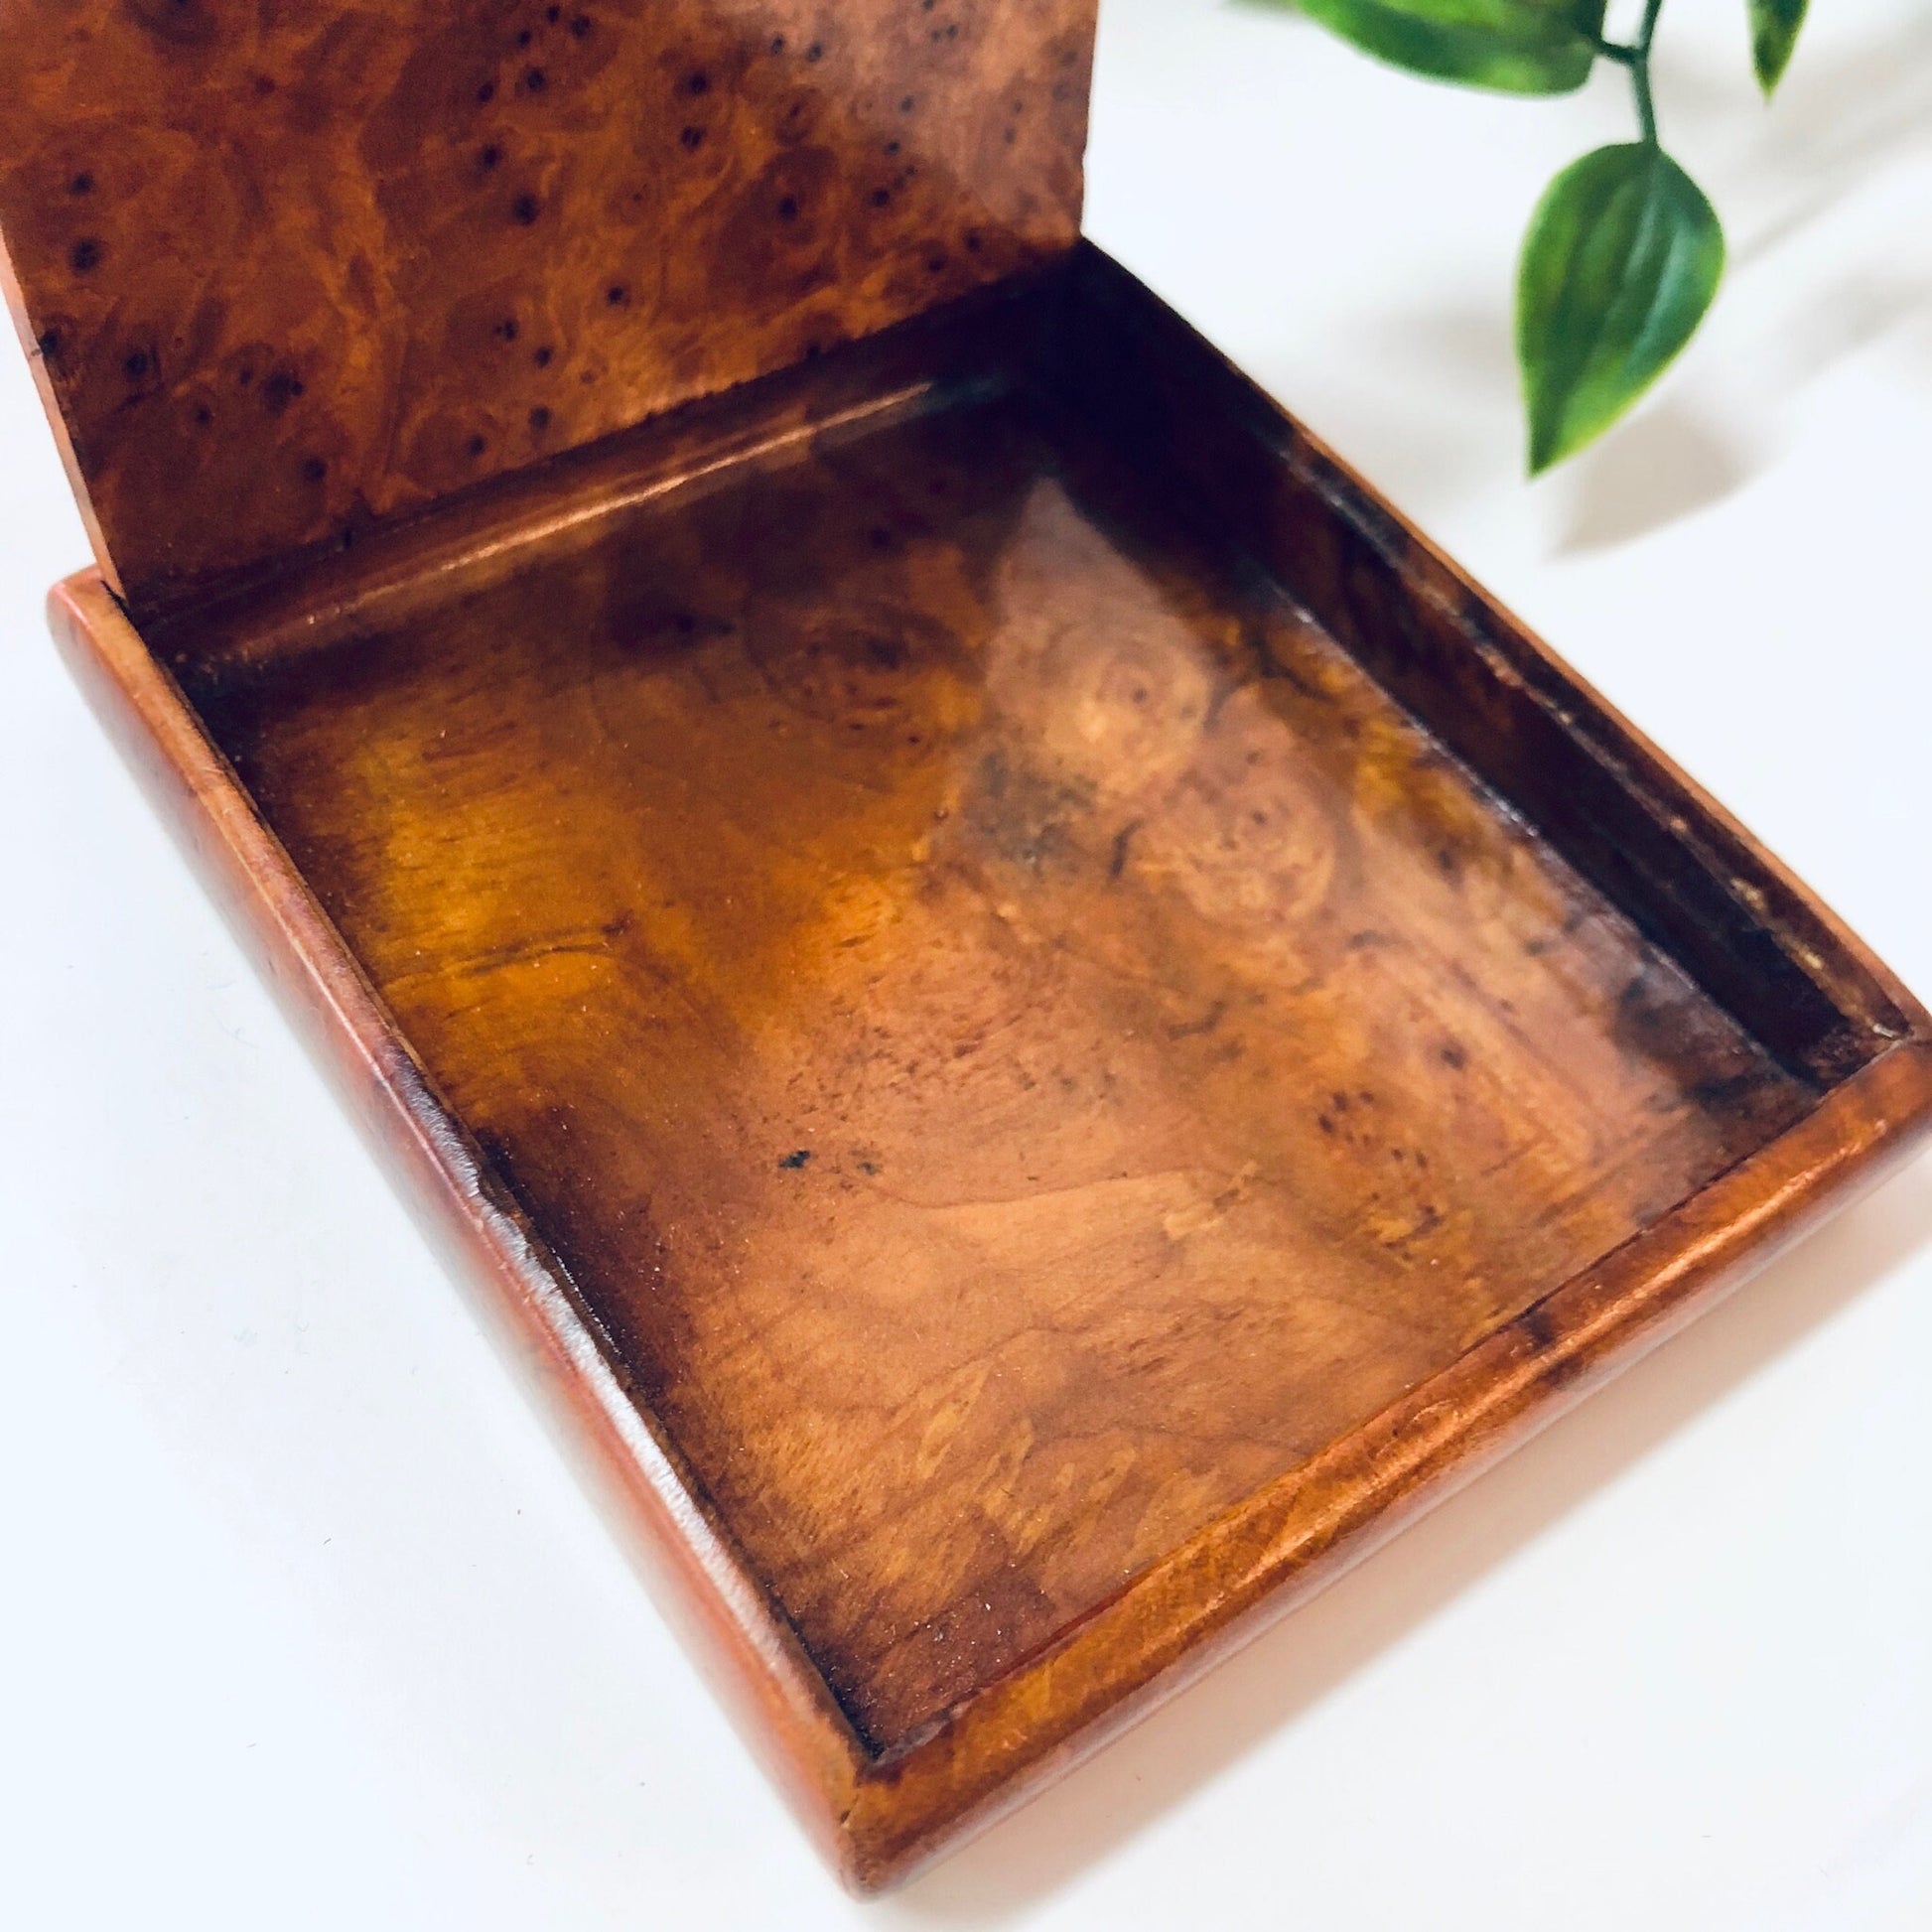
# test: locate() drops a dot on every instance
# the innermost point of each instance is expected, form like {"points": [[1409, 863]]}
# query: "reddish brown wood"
{"points": [[1224, 1126], [1038, 1023], [915, 900], [288, 269]]}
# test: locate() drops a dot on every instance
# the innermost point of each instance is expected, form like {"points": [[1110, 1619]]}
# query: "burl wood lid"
{"points": [[285, 269]]}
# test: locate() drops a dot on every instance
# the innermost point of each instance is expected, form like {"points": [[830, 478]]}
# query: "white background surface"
{"points": [[301, 1622]]}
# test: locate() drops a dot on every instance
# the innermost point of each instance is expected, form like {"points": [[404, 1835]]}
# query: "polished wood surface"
{"points": [[1691, 876], [1022, 1109], [1016, 1039], [1036, 1022], [286, 271]]}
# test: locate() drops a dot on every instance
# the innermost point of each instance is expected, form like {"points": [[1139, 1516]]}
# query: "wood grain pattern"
{"points": [[1042, 1023], [287, 271], [1689, 876], [915, 903]]}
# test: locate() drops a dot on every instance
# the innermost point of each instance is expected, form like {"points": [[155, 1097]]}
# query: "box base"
{"points": [[1016, 1039], [1067, 1107]]}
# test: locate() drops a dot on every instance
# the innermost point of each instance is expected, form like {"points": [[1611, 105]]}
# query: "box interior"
{"points": [[1016, 1035]]}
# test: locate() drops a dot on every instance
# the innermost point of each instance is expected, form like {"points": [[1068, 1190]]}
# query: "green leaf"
{"points": [[1622, 260], [1774, 33], [1517, 46]]}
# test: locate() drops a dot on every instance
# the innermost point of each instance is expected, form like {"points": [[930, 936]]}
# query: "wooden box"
{"points": [[1038, 1023]]}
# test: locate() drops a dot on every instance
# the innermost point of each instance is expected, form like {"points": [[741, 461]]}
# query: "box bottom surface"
{"points": [[1017, 1040]]}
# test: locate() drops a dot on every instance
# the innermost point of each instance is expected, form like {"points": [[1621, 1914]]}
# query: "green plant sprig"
{"points": [[1624, 252]]}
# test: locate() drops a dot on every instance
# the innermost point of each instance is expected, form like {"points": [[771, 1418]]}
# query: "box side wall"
{"points": [[721, 1613], [1617, 809], [1234, 1580]]}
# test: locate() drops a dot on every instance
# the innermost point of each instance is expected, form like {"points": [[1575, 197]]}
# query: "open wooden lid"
{"points": [[288, 270]]}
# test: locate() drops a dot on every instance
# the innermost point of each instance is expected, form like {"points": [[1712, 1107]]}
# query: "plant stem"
{"points": [[1641, 71], [1646, 110], [1636, 56]]}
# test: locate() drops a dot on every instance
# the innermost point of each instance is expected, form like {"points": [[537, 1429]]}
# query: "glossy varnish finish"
{"points": [[1016, 1039], [1021, 1106], [1038, 1023], [289, 269]]}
